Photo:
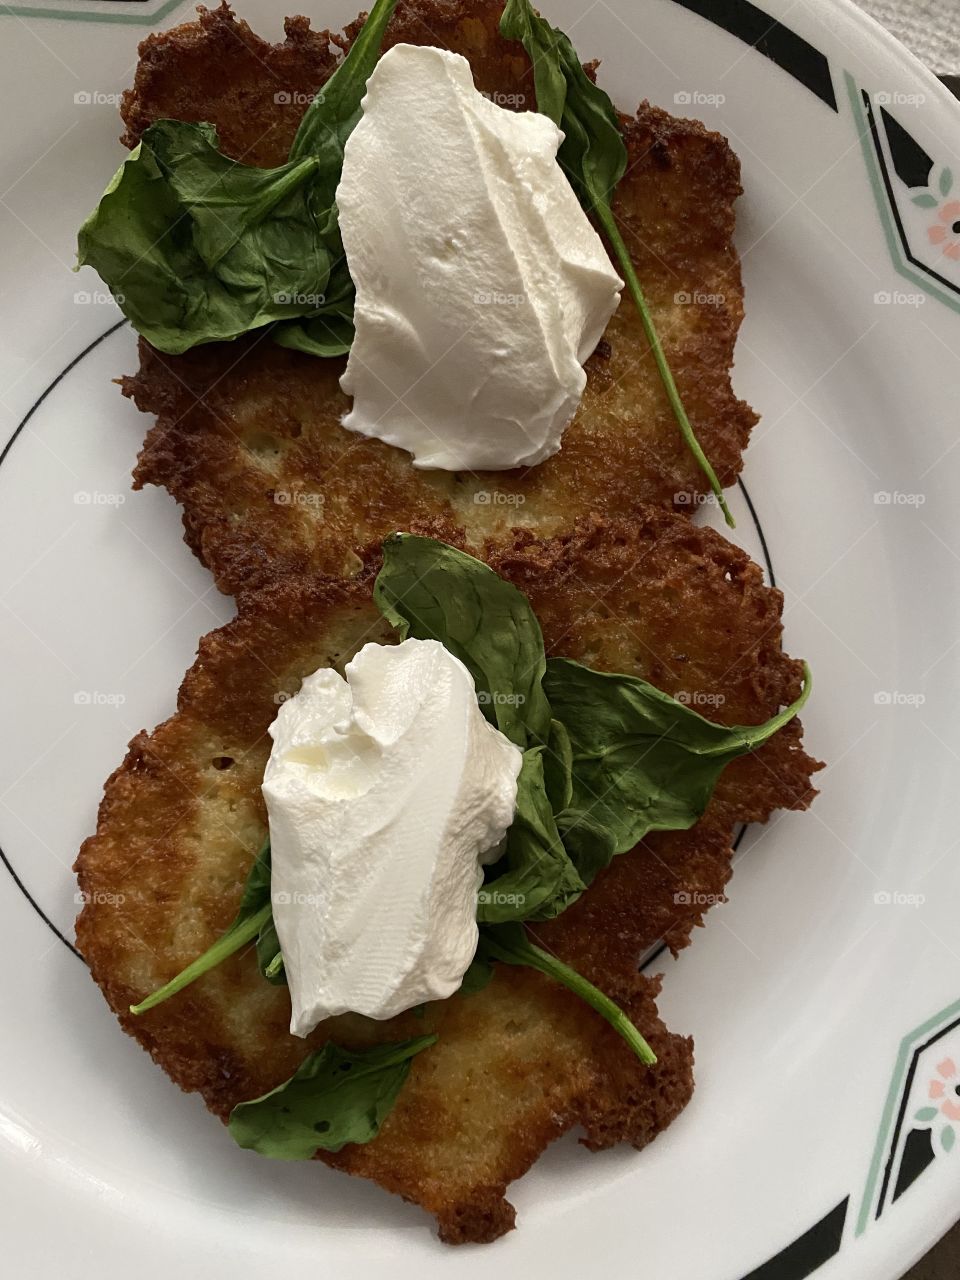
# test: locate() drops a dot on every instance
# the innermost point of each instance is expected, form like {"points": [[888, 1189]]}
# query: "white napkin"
{"points": [[929, 28]]}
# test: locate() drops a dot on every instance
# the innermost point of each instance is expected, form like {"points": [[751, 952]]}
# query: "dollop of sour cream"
{"points": [[386, 791], [481, 285]]}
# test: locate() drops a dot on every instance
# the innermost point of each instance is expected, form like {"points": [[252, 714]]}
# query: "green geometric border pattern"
{"points": [[908, 1046], [903, 267], [140, 16]]}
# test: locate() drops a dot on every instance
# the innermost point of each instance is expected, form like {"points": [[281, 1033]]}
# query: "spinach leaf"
{"points": [[334, 1097], [431, 591], [509, 944], [594, 157], [558, 767], [326, 335], [323, 133], [199, 248], [535, 879], [477, 976], [196, 248], [335, 109], [254, 919], [641, 761]]}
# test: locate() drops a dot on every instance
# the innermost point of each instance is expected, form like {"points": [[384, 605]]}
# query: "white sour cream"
{"points": [[481, 285], [385, 791]]}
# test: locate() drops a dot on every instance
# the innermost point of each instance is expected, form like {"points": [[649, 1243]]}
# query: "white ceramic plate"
{"points": [[825, 997]]}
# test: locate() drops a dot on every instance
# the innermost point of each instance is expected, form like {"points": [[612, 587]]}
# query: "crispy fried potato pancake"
{"points": [[248, 436], [521, 1061]]}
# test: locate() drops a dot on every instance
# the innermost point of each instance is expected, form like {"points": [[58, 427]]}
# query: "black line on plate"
{"points": [[911, 163], [36, 906], [808, 1252], [918, 1156], [6, 449], [901, 1114], [789, 51], [655, 955], [760, 534], [56, 382]]}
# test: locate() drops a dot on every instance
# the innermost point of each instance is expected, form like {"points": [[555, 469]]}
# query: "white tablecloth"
{"points": [[929, 28]]}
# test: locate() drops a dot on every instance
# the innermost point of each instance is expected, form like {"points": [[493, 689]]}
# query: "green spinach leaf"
{"points": [[326, 335], [198, 248], [323, 133], [535, 879], [594, 157], [641, 761], [333, 114], [334, 1097], [431, 591], [477, 976]]}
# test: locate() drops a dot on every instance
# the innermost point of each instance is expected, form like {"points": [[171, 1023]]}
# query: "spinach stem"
{"points": [[231, 942], [605, 216], [536, 958]]}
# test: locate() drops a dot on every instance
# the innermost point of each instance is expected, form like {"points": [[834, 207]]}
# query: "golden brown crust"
{"points": [[248, 436], [522, 1061]]}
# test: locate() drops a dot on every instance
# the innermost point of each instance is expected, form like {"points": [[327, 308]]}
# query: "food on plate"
{"points": [[249, 435], [481, 287], [522, 1058], [380, 889], [388, 789]]}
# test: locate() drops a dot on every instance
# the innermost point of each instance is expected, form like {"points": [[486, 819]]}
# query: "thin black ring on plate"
{"points": [[9, 445], [6, 449]]}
